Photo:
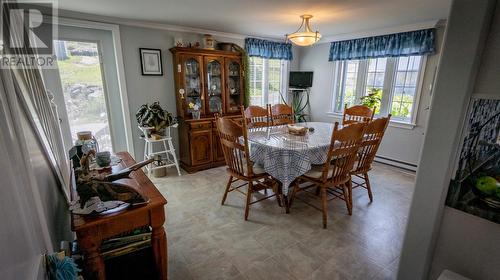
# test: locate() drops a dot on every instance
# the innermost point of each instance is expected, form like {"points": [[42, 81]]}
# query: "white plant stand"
{"points": [[168, 150]]}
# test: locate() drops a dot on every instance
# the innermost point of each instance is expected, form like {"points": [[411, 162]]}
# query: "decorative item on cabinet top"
{"points": [[208, 42]]}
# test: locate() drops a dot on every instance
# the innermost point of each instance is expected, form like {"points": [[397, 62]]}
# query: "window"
{"points": [[267, 79], [395, 80], [348, 91], [405, 86]]}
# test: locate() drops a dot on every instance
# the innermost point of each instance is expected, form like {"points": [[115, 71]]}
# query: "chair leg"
{"points": [[317, 190], [349, 191], [249, 198], [368, 187], [345, 192], [227, 189], [324, 206]]}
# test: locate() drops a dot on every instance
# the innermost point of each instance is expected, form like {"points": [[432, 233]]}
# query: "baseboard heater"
{"points": [[397, 163]]}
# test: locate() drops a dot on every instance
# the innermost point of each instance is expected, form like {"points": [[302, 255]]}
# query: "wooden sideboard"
{"points": [[92, 230], [199, 144], [213, 80]]}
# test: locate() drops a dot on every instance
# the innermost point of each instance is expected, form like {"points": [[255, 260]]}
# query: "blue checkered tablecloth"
{"points": [[285, 156]]}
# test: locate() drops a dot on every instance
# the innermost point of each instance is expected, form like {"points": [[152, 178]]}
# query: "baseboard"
{"points": [[397, 163]]}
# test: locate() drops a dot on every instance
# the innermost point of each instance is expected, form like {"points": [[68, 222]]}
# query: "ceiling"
{"points": [[269, 18]]}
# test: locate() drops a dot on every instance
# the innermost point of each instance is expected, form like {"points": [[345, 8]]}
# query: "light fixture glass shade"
{"points": [[306, 37]]}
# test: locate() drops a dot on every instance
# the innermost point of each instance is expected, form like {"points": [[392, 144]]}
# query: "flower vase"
{"points": [[196, 115]]}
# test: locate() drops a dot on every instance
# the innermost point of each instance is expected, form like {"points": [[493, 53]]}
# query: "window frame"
{"points": [[339, 69], [265, 80]]}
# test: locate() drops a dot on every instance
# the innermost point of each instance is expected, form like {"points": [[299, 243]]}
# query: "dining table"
{"points": [[285, 156]]}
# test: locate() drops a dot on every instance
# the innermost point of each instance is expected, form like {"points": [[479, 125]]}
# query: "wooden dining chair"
{"points": [[372, 137], [234, 141], [256, 116], [282, 114], [357, 114], [334, 177]]}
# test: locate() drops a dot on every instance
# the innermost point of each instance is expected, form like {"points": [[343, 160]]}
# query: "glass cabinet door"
{"points": [[192, 84], [234, 92], [214, 84]]}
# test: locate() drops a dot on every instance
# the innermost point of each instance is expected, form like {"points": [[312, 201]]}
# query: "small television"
{"points": [[300, 79]]}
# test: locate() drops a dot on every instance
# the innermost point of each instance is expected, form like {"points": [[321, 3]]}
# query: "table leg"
{"points": [[159, 243], [287, 203], [94, 263]]}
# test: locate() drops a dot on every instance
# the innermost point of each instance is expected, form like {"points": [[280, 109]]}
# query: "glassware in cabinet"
{"points": [[192, 83], [234, 92], [214, 82]]}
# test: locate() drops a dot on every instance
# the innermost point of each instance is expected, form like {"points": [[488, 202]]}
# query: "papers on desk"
{"points": [[96, 206]]}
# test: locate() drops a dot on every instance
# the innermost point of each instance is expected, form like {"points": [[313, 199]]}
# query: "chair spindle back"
{"points": [[342, 153], [372, 137], [236, 154], [257, 116], [282, 114], [357, 114]]}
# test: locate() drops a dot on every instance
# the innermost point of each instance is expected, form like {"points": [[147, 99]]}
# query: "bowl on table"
{"points": [[297, 130], [103, 159]]}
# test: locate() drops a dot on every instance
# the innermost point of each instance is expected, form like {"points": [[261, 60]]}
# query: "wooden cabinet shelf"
{"points": [[217, 78]]}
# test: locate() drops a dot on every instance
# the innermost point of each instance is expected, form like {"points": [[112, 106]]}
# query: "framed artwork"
{"points": [[475, 188], [151, 62]]}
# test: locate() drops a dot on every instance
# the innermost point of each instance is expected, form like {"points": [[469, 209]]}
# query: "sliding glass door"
{"points": [[84, 93], [86, 87]]}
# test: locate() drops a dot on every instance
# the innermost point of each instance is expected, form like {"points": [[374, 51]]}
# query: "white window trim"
{"points": [[265, 81], [387, 87], [285, 65], [285, 72]]}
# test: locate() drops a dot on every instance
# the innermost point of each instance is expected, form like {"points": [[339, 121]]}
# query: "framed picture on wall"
{"points": [[151, 62], [475, 189]]}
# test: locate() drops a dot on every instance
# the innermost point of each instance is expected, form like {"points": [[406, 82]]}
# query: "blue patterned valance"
{"points": [[418, 42], [268, 49]]}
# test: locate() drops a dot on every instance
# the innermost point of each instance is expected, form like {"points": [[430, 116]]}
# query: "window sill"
{"points": [[392, 123]]}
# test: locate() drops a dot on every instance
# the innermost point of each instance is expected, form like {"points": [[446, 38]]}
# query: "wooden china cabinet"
{"points": [[213, 80]]}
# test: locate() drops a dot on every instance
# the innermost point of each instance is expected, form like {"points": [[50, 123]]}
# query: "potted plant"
{"points": [[153, 119], [373, 99], [299, 105]]}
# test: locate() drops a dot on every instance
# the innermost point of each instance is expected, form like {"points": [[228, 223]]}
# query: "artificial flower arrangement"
{"points": [[195, 110], [193, 106]]}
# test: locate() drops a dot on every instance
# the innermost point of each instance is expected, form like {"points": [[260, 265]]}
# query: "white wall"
{"points": [[468, 244], [148, 89], [400, 144], [465, 35]]}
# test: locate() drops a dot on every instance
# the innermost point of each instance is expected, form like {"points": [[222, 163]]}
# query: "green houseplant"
{"points": [[154, 118], [299, 105], [373, 99]]}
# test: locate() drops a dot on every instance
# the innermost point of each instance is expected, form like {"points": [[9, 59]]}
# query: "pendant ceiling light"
{"points": [[306, 37]]}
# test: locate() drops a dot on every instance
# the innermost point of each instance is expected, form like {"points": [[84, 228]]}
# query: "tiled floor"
{"points": [[210, 241]]}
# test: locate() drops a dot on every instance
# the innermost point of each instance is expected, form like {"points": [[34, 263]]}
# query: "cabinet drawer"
{"points": [[200, 125]]}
